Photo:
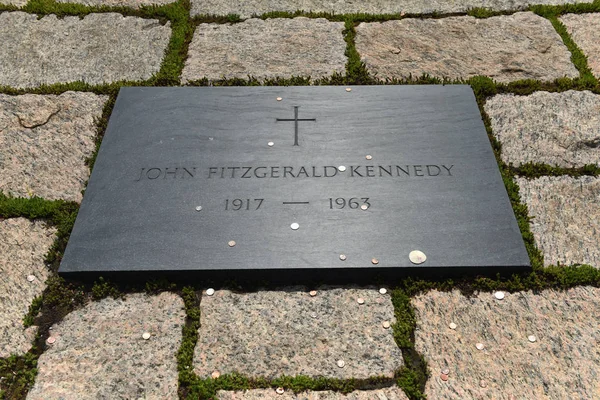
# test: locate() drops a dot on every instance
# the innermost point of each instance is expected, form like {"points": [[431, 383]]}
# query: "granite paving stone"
{"points": [[289, 332], [585, 31], [100, 353], [45, 141], [279, 47], [120, 3], [565, 221], [560, 129], [392, 393], [23, 246], [249, 8], [505, 48], [18, 3], [560, 361], [100, 48]]}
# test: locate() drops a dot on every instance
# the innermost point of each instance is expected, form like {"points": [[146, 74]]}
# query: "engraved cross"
{"points": [[295, 119]]}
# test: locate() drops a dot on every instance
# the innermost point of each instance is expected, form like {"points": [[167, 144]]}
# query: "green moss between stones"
{"points": [[18, 374]]}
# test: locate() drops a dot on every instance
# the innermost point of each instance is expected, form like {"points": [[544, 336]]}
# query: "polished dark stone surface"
{"points": [[417, 156]]}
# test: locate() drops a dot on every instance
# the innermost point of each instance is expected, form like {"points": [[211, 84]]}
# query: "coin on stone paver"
{"points": [[271, 144], [231, 243], [348, 89], [313, 293], [480, 346], [417, 257], [341, 363], [295, 226], [446, 371], [444, 377], [341, 168], [146, 335], [51, 340], [215, 374], [210, 291], [374, 261], [482, 383], [364, 207], [279, 390], [452, 325], [314, 315], [531, 338], [369, 157], [360, 300], [279, 99], [343, 257], [499, 295], [383, 290], [386, 324], [30, 278]]}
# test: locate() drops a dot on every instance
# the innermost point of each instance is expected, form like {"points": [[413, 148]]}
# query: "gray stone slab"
{"points": [[119, 3], [565, 221], [272, 48], [23, 246], [45, 141], [392, 393], [560, 129], [416, 157], [100, 48], [584, 29], [18, 3], [505, 48], [562, 363], [99, 351], [273, 333], [249, 8]]}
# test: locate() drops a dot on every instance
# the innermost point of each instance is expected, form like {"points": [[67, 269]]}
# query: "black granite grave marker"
{"points": [[290, 181]]}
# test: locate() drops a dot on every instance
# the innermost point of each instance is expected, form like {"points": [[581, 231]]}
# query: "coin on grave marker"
{"points": [[30, 278], [210, 291], [374, 261], [482, 383], [446, 371], [480, 346], [341, 363], [271, 144], [231, 243], [383, 290], [313, 293], [499, 295], [341, 168], [364, 207], [386, 324], [279, 390], [369, 157], [531, 338], [417, 257], [343, 257], [279, 99], [360, 300], [215, 374], [348, 89], [295, 226], [452, 325], [51, 340], [146, 335]]}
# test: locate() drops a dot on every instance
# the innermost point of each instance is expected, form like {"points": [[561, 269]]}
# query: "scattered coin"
{"points": [[482, 383], [374, 261], [480, 346], [348, 89], [383, 290], [231, 243], [199, 208], [51, 340], [313, 293], [444, 377], [270, 144], [30, 278], [499, 295], [386, 324], [279, 99], [364, 207], [314, 315], [360, 300], [341, 363], [369, 157], [446, 371], [210, 291], [341, 168], [215, 374], [417, 257], [452, 325], [295, 226], [146, 335], [279, 390], [531, 338], [343, 257]]}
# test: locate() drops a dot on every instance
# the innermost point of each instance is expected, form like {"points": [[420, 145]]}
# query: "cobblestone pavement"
{"points": [[535, 72]]}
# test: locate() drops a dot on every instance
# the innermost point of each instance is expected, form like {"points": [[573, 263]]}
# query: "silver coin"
{"points": [[499, 295], [532, 338], [360, 300], [417, 257], [480, 346], [279, 390], [271, 144], [383, 290], [210, 291], [199, 208], [31, 278], [279, 99], [446, 371], [313, 293], [386, 324], [364, 207], [369, 157], [452, 325], [215, 374], [231, 243], [146, 335], [295, 226], [341, 363], [343, 257], [341, 168]]}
